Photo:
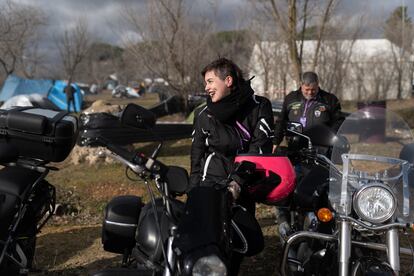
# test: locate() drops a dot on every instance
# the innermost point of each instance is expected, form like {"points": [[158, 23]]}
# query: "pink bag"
{"points": [[279, 165]]}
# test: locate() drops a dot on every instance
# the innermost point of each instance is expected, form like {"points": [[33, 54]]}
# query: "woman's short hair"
{"points": [[224, 67]]}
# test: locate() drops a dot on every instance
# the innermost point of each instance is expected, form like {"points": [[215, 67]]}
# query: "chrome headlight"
{"points": [[209, 265], [375, 203]]}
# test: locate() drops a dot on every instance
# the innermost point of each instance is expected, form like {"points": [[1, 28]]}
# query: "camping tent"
{"points": [[14, 86], [58, 97], [52, 90]]}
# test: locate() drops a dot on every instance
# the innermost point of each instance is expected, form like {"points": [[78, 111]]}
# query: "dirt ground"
{"points": [[77, 250]]}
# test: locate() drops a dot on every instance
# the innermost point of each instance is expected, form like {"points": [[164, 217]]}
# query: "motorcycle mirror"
{"points": [[137, 116], [341, 145], [298, 140], [293, 127]]}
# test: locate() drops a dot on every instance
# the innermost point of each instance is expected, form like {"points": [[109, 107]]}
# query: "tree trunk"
{"points": [[293, 49]]}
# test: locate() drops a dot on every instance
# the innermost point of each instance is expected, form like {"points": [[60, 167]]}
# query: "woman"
{"points": [[234, 121]]}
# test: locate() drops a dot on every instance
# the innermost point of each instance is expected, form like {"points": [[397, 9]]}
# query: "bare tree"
{"points": [[293, 15], [400, 31], [19, 36], [73, 46], [172, 44], [270, 65]]}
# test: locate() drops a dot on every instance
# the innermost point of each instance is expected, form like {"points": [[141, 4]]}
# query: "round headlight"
{"points": [[209, 265], [375, 203]]}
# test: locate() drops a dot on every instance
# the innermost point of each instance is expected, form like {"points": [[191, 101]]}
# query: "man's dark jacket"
{"points": [[216, 143], [324, 109]]}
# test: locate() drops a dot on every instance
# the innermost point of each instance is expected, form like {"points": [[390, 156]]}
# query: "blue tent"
{"points": [[14, 86], [53, 90], [58, 97]]}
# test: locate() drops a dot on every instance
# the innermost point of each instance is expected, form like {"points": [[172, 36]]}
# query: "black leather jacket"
{"points": [[324, 109], [215, 144]]}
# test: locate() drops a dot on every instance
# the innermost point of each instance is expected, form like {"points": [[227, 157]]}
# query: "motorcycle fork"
{"points": [[345, 241], [393, 250], [170, 263]]}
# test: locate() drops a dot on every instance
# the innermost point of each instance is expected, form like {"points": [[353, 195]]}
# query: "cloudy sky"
{"points": [[104, 15]]}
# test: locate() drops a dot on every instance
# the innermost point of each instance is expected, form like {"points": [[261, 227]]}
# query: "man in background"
{"points": [[309, 105], [70, 91]]}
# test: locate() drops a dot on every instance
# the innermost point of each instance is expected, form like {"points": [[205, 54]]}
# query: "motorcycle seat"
{"points": [[17, 180]]}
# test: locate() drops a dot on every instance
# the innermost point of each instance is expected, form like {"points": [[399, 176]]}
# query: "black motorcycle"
{"points": [[306, 149], [206, 235], [369, 197], [30, 138]]}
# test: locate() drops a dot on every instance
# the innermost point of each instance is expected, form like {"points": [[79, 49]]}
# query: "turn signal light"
{"points": [[325, 215]]}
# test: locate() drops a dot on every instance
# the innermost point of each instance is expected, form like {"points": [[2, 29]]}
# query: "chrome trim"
{"points": [[138, 169], [381, 247], [298, 236], [345, 243], [242, 237], [393, 252], [301, 235], [375, 228], [406, 189], [121, 224]]}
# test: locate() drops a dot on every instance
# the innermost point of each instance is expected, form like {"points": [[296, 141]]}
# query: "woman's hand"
{"points": [[234, 189]]}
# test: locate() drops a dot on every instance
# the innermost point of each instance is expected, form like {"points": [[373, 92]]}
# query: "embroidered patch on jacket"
{"points": [[317, 113], [296, 106]]}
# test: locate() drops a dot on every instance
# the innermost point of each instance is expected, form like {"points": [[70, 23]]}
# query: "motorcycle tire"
{"points": [[371, 267]]}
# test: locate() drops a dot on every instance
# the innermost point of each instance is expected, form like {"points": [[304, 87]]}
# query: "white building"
{"points": [[363, 69]]}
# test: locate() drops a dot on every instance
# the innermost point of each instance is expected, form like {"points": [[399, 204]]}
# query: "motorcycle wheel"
{"points": [[371, 267]]}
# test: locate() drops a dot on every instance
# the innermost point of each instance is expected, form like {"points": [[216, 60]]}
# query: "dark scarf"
{"points": [[227, 108]]}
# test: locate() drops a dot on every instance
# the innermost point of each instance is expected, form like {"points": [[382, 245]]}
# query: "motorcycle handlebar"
{"points": [[137, 168], [137, 162], [125, 154]]}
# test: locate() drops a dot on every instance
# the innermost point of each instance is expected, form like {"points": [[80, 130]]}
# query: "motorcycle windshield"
{"points": [[374, 138]]}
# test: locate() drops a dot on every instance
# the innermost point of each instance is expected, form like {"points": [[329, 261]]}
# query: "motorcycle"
{"points": [[30, 139], [369, 193], [166, 236], [298, 212]]}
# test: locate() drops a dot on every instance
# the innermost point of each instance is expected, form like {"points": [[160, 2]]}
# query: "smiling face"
{"points": [[217, 88]]}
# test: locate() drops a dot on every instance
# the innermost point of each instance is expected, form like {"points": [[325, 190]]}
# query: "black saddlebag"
{"points": [[37, 133], [15, 183], [120, 223]]}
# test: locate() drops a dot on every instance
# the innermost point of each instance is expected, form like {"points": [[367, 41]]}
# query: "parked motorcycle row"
{"points": [[348, 198]]}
